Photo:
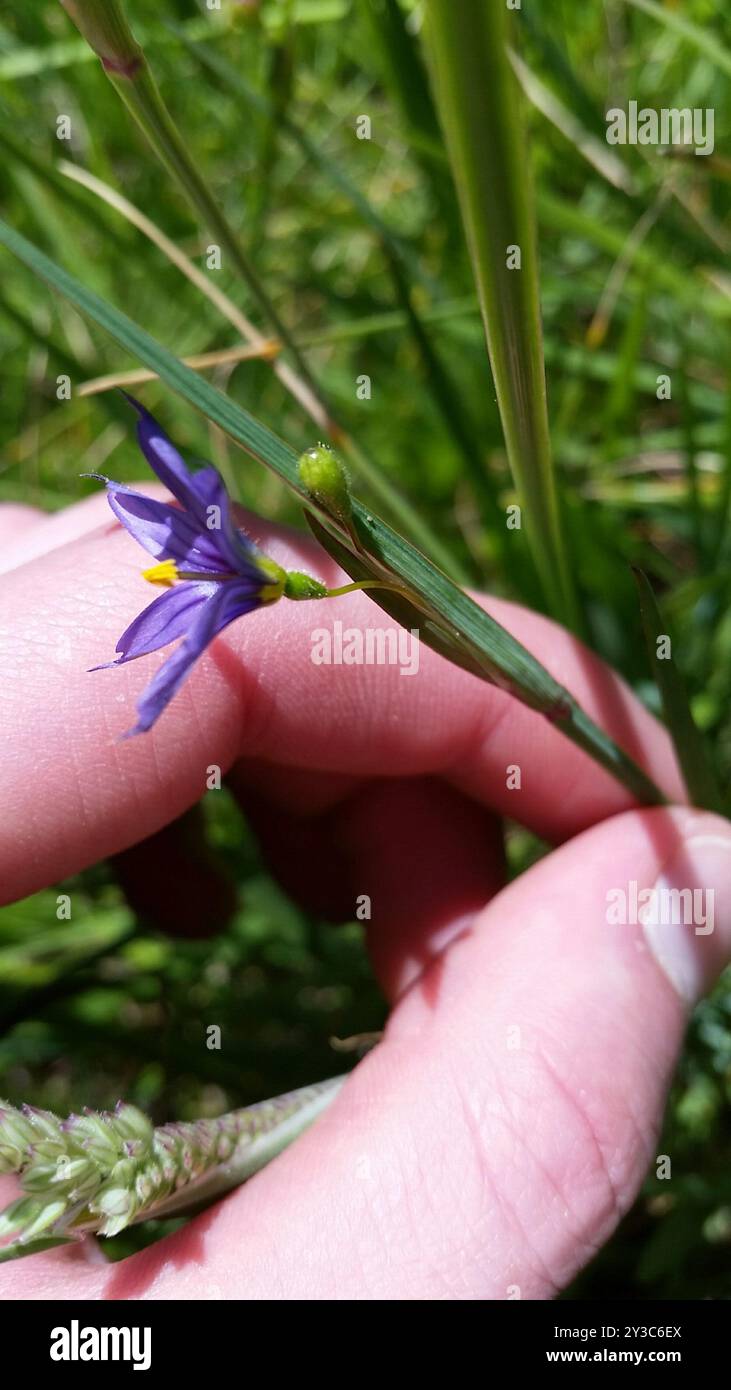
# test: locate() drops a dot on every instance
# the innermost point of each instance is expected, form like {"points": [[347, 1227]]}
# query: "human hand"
{"points": [[490, 1143]]}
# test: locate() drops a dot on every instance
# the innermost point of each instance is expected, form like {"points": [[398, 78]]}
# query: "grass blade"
{"points": [[707, 43], [501, 659], [105, 28], [689, 746], [477, 92], [401, 264]]}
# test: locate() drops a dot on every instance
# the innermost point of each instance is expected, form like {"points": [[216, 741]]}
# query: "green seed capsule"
{"points": [[324, 476], [303, 586]]}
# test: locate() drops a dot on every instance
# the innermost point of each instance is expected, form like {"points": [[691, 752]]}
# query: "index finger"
{"points": [[73, 793]]}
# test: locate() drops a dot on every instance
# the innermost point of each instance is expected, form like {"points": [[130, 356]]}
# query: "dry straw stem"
{"points": [[593, 150], [267, 348], [199, 361]]}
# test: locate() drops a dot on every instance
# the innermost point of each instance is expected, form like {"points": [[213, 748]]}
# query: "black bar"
{"points": [[220, 1340]]}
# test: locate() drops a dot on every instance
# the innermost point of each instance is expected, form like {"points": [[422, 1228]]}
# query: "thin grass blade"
{"points": [[477, 96], [502, 660], [699, 778]]}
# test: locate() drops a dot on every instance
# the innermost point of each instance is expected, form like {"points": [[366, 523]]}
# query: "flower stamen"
{"points": [[166, 572]]}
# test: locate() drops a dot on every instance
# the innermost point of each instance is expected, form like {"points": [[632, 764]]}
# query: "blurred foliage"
{"points": [[359, 245]]}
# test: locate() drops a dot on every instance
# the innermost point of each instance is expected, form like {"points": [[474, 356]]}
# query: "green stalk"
{"points": [[104, 25], [478, 102]]}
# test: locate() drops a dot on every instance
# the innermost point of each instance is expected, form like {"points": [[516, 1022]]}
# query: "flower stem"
{"points": [[365, 584]]}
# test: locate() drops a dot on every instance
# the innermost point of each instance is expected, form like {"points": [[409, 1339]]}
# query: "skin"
{"points": [[454, 1164]]}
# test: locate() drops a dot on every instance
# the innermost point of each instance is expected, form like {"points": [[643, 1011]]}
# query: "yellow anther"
{"points": [[164, 573]]}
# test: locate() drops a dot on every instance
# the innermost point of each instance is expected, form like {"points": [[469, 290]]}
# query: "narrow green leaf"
{"points": [[498, 655], [478, 100], [401, 261], [689, 284], [699, 778], [232, 79], [404, 76], [105, 27]]}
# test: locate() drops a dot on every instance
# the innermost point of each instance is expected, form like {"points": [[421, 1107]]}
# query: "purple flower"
{"points": [[211, 571]]}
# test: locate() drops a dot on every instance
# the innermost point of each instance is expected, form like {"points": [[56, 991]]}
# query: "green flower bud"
{"points": [[48, 1150], [225, 1147], [75, 1171], [114, 1200], [45, 1216], [131, 1123], [11, 1159], [40, 1177], [14, 1217], [299, 586], [16, 1131], [324, 476], [112, 1225]]}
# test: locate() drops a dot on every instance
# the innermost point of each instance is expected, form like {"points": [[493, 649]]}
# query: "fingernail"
{"points": [[687, 917]]}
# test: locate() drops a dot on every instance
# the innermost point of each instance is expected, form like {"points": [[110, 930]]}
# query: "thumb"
{"points": [[491, 1143]]}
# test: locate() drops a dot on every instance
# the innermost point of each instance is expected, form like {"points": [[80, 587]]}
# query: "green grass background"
{"points": [[267, 97]]}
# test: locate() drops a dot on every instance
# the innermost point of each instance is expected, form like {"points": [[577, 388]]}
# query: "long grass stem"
{"points": [[480, 112]]}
